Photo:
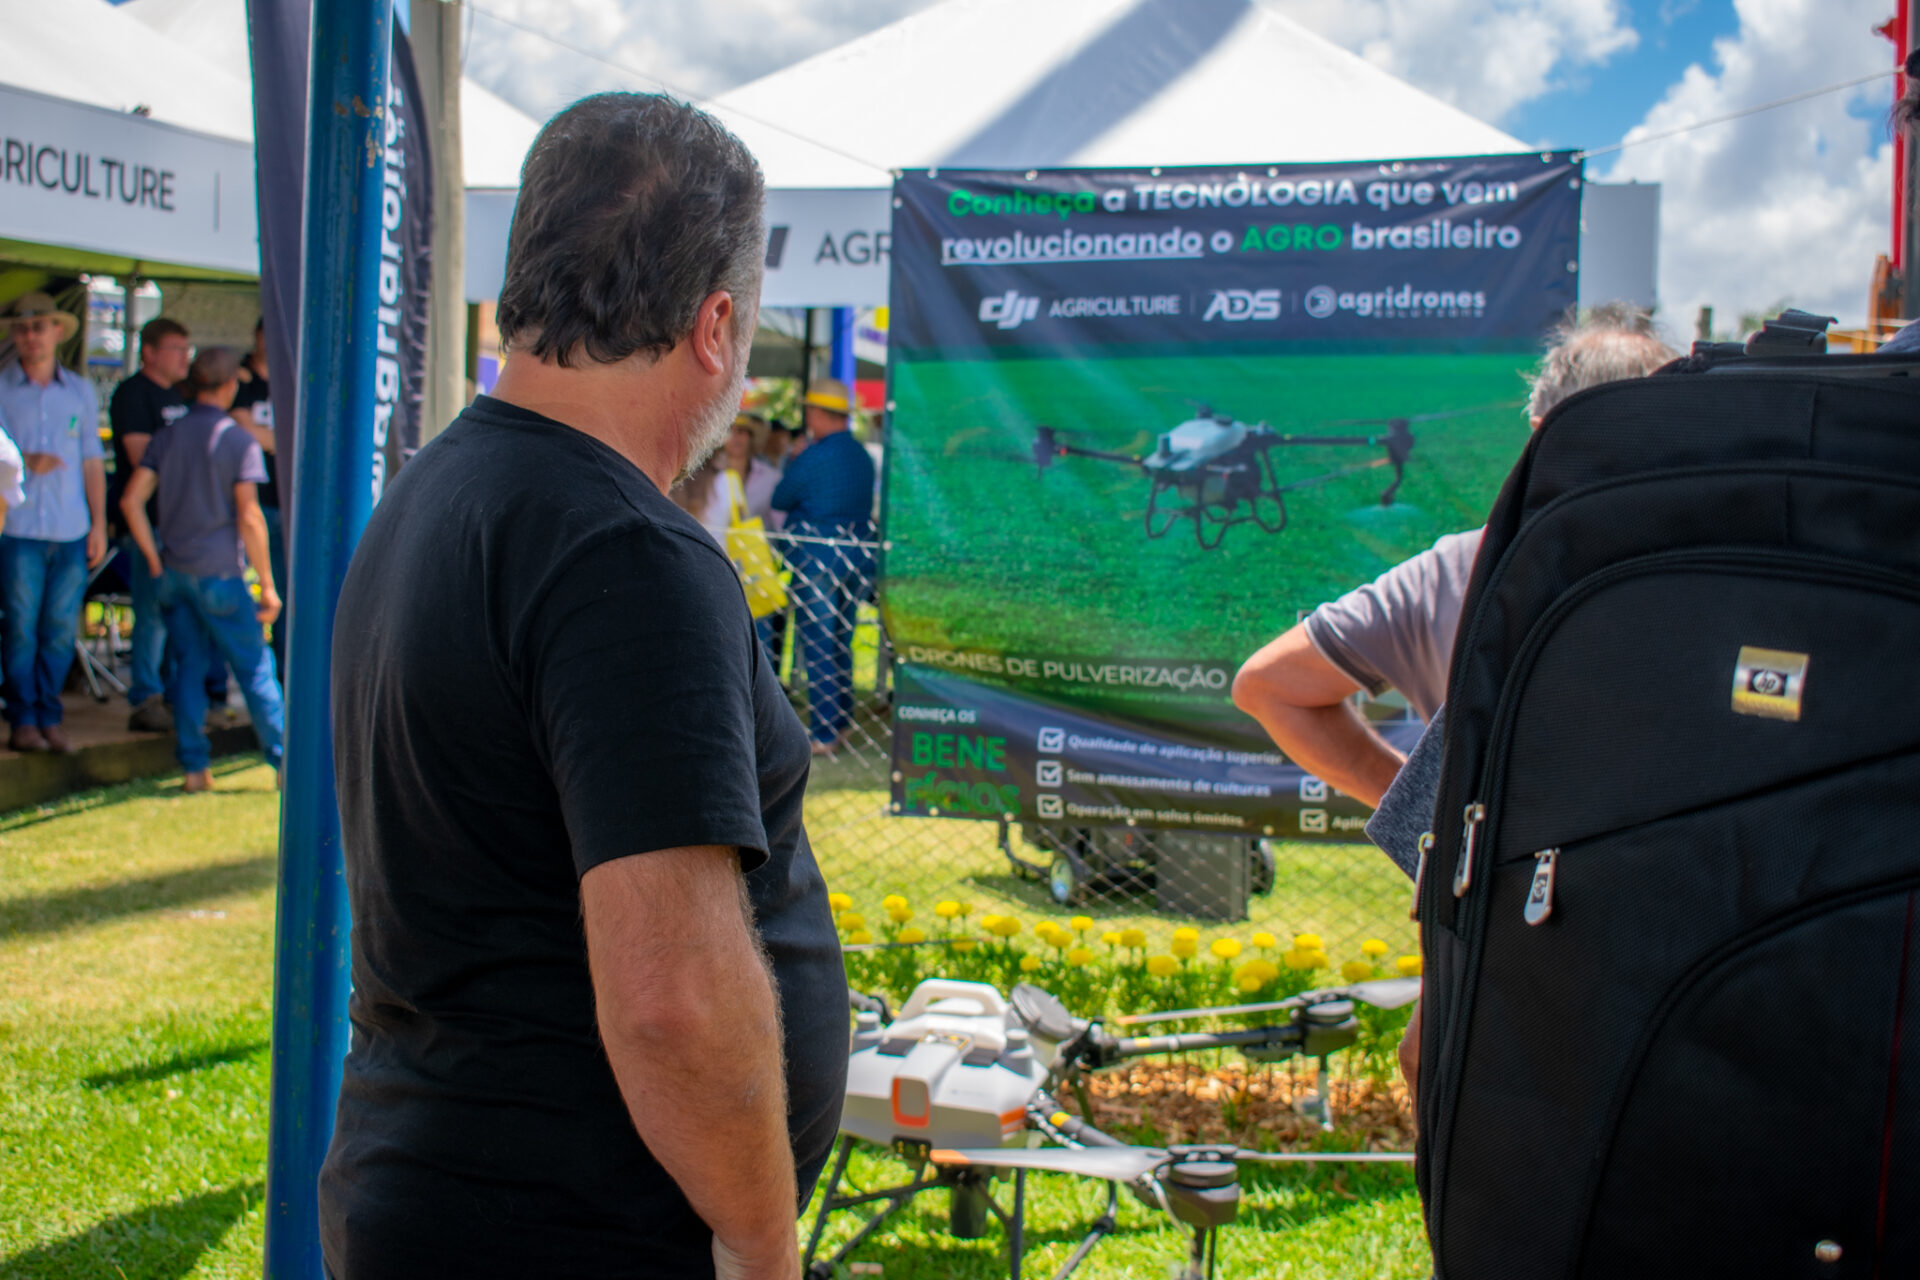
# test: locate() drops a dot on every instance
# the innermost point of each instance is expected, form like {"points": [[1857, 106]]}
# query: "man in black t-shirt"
{"points": [[142, 407], [599, 1013], [253, 409]]}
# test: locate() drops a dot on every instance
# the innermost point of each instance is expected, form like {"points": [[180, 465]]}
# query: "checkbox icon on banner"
{"points": [[1047, 773], [1313, 820], [1052, 739], [1312, 788], [1050, 807]]}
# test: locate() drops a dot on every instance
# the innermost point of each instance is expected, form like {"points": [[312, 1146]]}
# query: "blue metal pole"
{"points": [[841, 365], [352, 42]]}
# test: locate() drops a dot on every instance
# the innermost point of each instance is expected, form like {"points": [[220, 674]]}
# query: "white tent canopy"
{"points": [[1018, 84], [1015, 84], [1011, 84]]}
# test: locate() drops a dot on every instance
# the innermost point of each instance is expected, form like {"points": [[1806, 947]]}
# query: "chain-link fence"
{"points": [[912, 878]]}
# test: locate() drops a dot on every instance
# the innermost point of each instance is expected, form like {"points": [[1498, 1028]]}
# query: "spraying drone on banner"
{"points": [[964, 1078], [1219, 472]]}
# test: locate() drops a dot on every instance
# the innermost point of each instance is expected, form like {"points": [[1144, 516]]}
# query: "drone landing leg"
{"points": [[1017, 1229], [1102, 1225], [826, 1201], [897, 1199]]}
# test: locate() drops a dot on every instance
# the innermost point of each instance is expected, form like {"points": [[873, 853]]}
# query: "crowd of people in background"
{"points": [[190, 505], [816, 488]]}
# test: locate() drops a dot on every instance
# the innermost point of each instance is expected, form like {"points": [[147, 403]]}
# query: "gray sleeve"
{"points": [[1406, 811], [1397, 631]]}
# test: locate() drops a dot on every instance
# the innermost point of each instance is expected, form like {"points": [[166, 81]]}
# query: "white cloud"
{"points": [[697, 49], [1487, 57], [1788, 204]]}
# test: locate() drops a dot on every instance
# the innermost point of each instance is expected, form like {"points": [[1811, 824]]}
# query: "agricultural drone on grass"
{"points": [[1219, 472], [964, 1078]]}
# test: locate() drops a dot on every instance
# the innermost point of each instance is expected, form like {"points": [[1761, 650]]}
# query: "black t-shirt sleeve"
{"points": [[638, 668], [131, 413]]}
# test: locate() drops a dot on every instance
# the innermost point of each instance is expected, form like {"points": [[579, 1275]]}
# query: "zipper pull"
{"points": [[1463, 874], [1420, 873], [1540, 896]]}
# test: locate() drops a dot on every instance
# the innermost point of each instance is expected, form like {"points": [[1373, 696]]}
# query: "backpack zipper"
{"points": [[1540, 893]]}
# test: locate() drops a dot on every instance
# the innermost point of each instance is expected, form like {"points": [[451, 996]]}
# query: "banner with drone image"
{"points": [[1142, 421]]}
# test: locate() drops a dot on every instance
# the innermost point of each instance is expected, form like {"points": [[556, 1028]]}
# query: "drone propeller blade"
{"points": [[1461, 413], [1325, 1157], [1381, 993], [1422, 417], [1387, 993], [1113, 1164]]}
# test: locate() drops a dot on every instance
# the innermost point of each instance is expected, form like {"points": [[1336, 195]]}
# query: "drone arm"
{"points": [[1252, 1038], [1074, 451]]}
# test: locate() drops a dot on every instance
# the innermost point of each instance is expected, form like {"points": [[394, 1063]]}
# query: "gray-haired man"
{"points": [[599, 1015]]}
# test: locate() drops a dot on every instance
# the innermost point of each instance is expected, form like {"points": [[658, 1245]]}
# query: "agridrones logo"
{"points": [[1009, 310], [1238, 305], [1408, 302]]}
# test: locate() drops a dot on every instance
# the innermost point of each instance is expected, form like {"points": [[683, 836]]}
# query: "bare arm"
{"points": [[262, 436], [253, 537], [135, 443], [688, 1015], [133, 509], [94, 472], [1300, 699]]}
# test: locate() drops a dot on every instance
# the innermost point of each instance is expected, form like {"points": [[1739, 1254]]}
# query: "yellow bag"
{"points": [[752, 555]]}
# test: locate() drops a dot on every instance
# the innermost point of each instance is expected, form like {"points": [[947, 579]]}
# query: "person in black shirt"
{"points": [[253, 409], [142, 407], [599, 1017]]}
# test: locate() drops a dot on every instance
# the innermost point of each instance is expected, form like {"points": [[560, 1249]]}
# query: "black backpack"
{"points": [[1671, 909]]}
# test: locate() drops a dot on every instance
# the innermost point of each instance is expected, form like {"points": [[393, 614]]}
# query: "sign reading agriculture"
{"points": [[1142, 421]]}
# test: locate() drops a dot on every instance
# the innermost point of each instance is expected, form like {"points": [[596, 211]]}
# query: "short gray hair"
{"points": [[1609, 343]]}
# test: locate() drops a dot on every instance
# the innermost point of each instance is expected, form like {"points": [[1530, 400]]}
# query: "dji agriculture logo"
{"points": [[1009, 310]]}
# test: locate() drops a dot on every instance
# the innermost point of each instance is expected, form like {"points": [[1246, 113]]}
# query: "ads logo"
{"points": [[1236, 305], [1322, 302], [1009, 310]]}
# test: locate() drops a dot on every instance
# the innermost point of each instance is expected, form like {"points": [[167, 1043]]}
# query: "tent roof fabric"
{"points": [[494, 136], [1009, 84], [89, 51]]}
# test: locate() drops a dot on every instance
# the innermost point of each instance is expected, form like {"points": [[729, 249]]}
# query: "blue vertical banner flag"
{"points": [[345, 219], [1142, 421]]}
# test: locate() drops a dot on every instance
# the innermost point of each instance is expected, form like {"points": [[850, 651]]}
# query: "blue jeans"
{"points": [[149, 641], [829, 582], [212, 620], [43, 584]]}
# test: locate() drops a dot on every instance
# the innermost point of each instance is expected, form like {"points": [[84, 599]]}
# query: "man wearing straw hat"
{"points": [[61, 527], [827, 493]]}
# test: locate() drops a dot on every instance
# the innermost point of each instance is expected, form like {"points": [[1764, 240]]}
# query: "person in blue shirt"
{"points": [[827, 494], [60, 529]]}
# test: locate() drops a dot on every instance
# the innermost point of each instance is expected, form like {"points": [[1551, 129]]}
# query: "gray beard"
{"points": [[715, 423]]}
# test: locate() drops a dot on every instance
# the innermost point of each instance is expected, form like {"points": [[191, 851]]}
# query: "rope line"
{"points": [[1789, 100]]}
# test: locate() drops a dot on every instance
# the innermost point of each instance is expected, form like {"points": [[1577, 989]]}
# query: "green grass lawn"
{"points": [[135, 969]]}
